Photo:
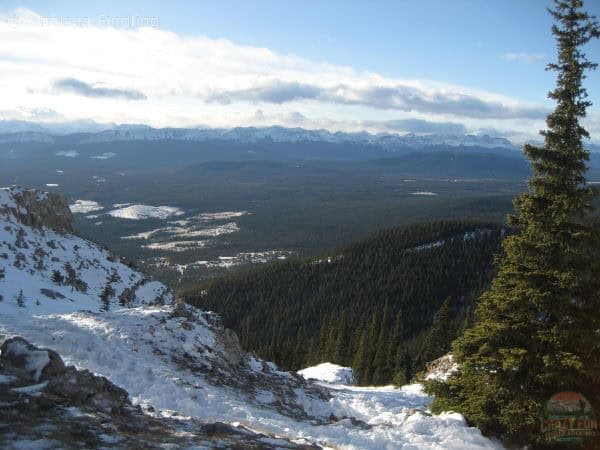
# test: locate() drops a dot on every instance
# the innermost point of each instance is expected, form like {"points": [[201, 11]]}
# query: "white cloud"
{"points": [[157, 77], [398, 96]]}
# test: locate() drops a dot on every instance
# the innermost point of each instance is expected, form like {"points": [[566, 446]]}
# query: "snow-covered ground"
{"points": [[106, 155], [237, 260], [176, 246], [85, 206], [223, 215], [139, 212], [119, 345], [68, 153], [179, 359], [329, 373]]}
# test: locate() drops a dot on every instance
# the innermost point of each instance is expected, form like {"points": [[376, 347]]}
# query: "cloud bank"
{"points": [[159, 78], [87, 90], [394, 97]]}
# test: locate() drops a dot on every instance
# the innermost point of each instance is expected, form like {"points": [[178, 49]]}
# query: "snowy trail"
{"points": [[120, 346]]}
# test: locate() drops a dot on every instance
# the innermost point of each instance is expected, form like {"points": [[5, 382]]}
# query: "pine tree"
{"points": [[402, 367], [537, 327], [342, 341], [57, 277], [359, 359], [21, 299], [105, 297], [382, 370], [441, 334]]}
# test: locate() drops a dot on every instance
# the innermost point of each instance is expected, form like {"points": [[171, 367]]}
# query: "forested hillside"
{"points": [[384, 305]]}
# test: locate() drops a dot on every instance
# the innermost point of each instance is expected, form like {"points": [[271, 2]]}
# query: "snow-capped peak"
{"points": [[10, 132]]}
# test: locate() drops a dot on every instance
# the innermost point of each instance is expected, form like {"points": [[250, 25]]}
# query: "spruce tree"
{"points": [[21, 299], [441, 334], [105, 297], [537, 329], [382, 372], [402, 366], [57, 277]]}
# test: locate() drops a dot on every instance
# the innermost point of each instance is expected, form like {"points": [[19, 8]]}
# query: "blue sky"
{"points": [[490, 47]]}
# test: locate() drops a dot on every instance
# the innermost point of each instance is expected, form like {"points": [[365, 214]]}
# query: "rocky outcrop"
{"points": [[441, 368], [37, 209], [226, 364], [70, 408], [63, 270], [45, 367]]}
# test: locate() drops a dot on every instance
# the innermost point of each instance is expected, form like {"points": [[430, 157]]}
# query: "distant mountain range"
{"points": [[91, 132]]}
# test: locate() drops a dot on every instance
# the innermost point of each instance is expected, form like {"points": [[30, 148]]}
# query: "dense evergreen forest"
{"points": [[385, 305]]}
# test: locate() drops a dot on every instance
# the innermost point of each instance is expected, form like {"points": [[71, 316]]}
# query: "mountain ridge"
{"points": [[21, 131]]}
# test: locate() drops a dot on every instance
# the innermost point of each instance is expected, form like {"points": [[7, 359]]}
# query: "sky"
{"points": [[461, 66]]}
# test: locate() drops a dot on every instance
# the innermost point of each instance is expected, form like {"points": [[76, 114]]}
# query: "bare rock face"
{"points": [[37, 209], [70, 408], [29, 362], [232, 342]]}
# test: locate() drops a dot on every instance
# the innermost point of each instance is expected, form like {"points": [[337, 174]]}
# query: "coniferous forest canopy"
{"points": [[372, 306]]}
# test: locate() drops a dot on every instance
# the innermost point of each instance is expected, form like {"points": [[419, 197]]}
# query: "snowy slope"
{"points": [[175, 358], [30, 257]]}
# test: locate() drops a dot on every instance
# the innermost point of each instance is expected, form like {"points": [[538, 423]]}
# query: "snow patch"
{"points": [[85, 206], [68, 153], [5, 379], [329, 373], [106, 155], [227, 262], [176, 246], [224, 215], [140, 212], [34, 389]]}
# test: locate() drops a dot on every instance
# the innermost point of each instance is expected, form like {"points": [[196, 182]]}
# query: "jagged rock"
{"points": [[30, 362], [80, 387], [83, 387], [37, 209], [73, 408], [51, 293], [441, 368], [230, 340]]}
